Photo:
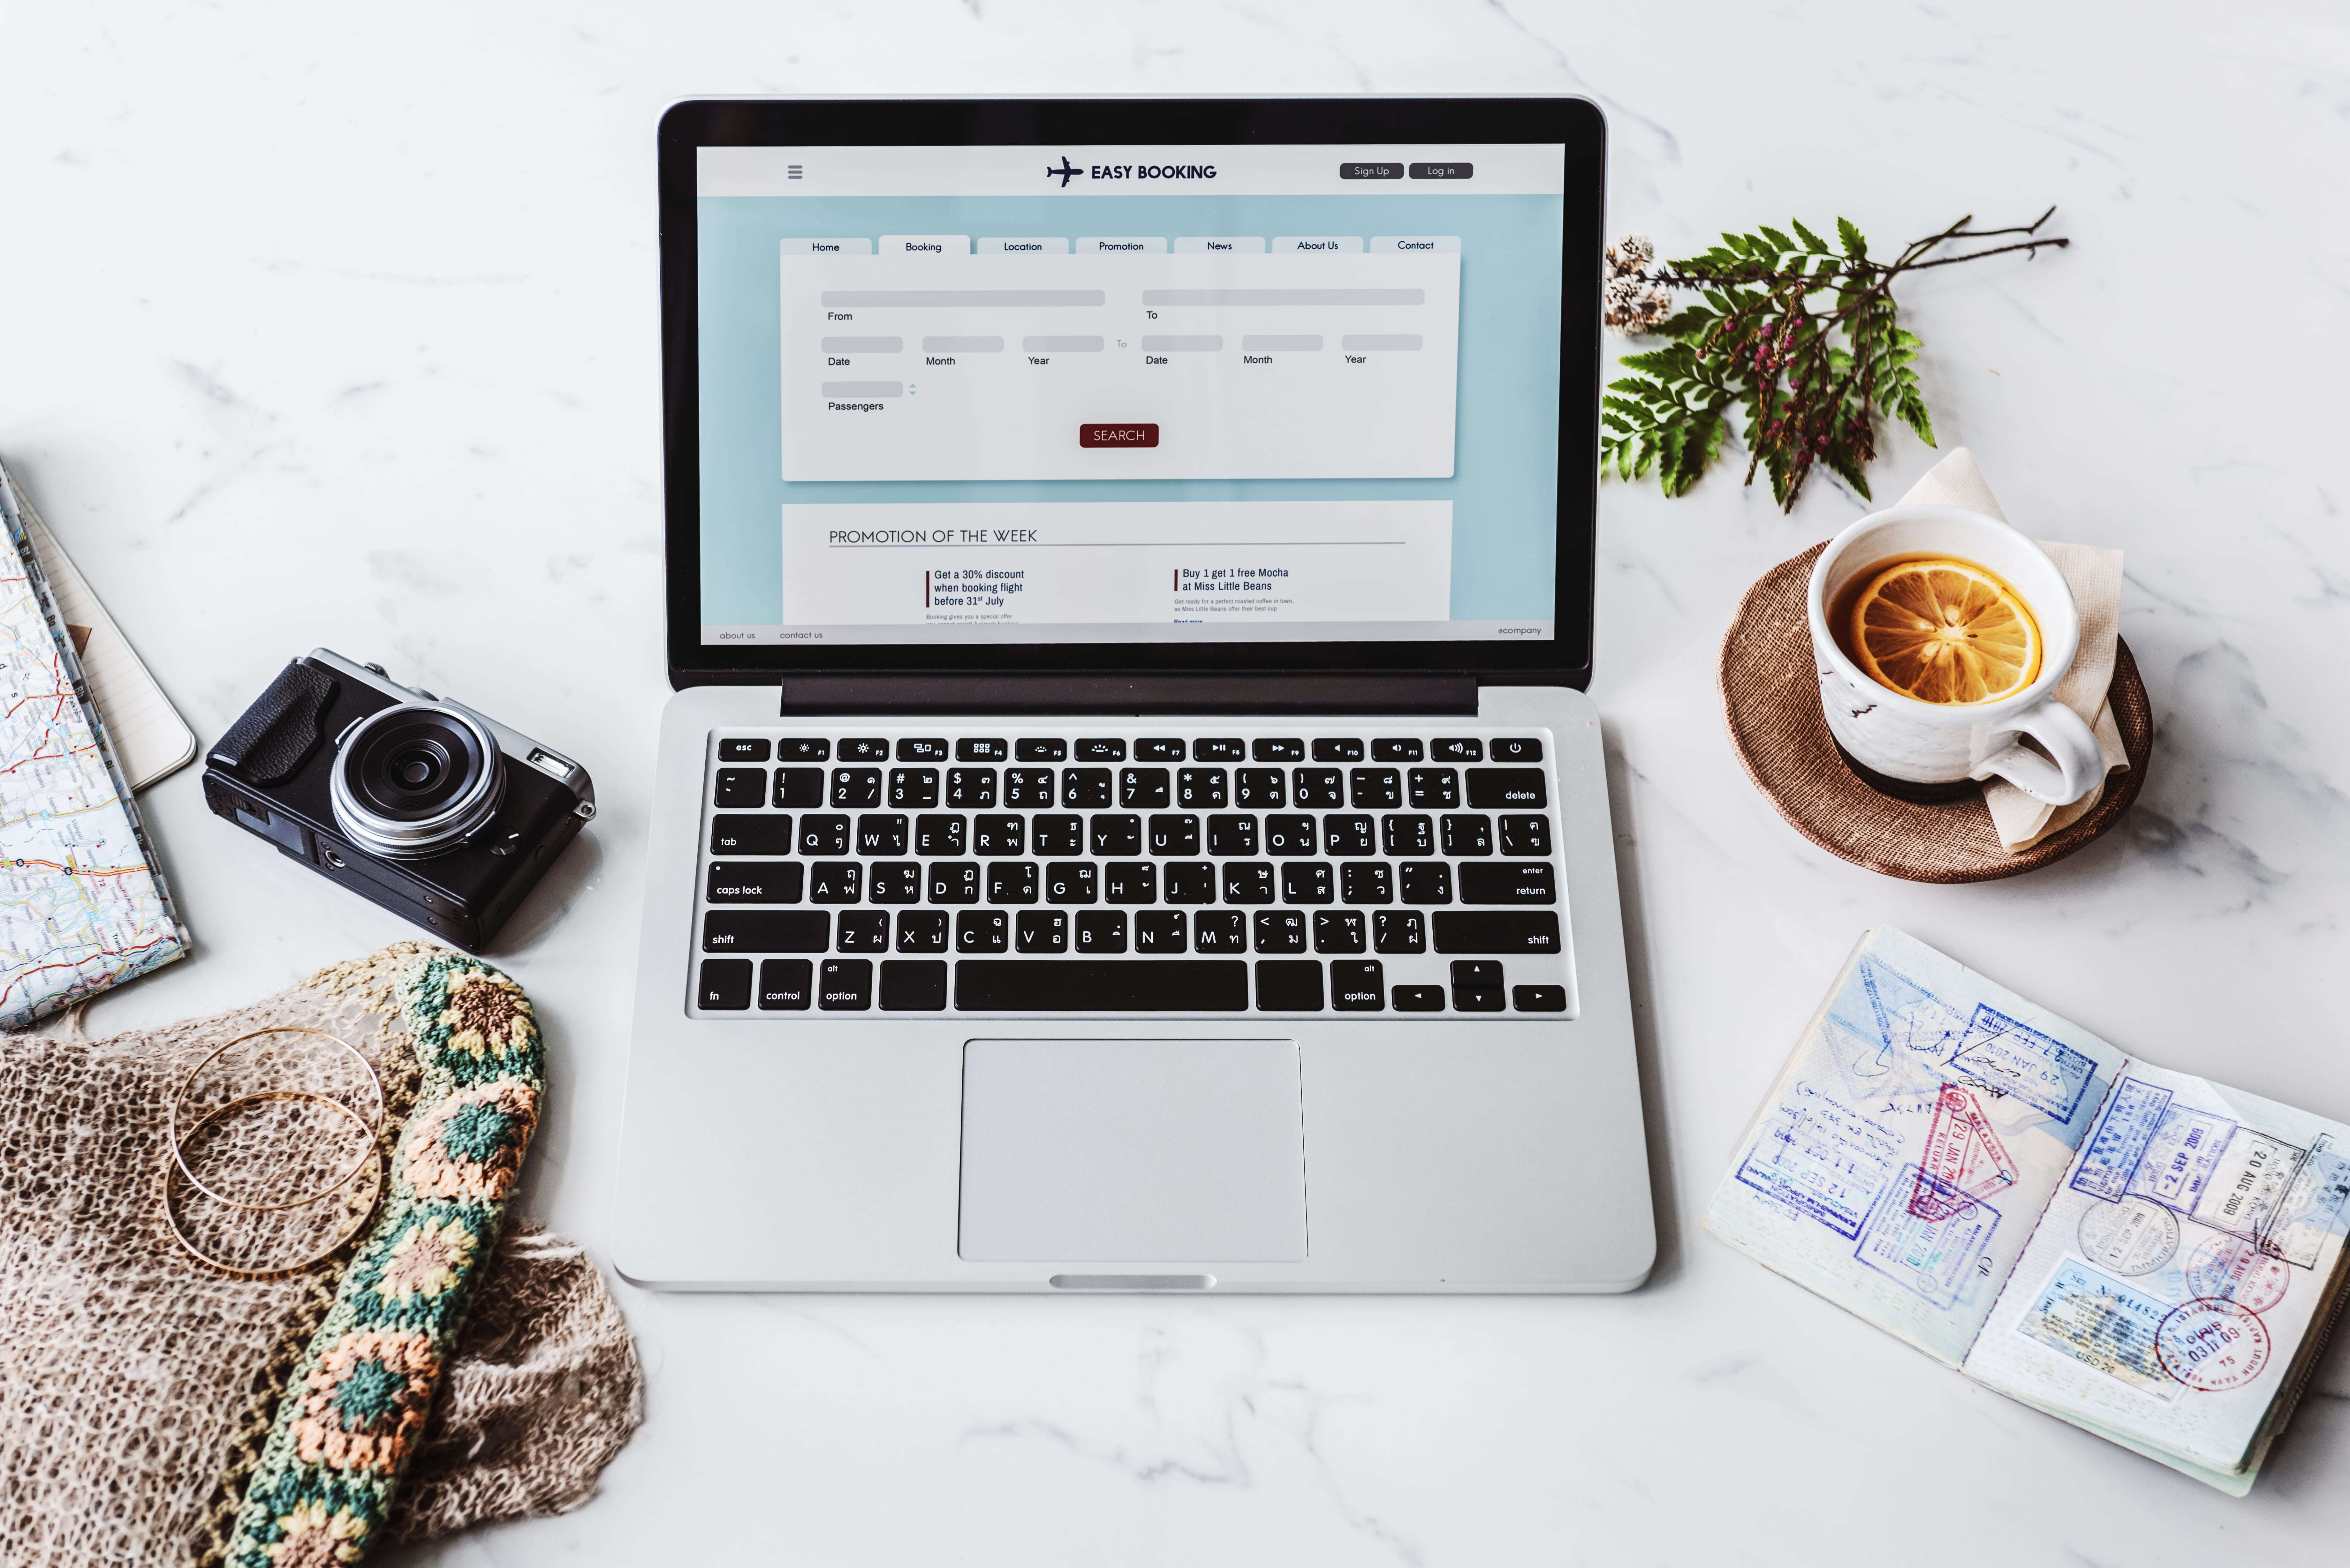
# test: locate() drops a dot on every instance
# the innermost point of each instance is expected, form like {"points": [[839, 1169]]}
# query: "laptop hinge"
{"points": [[1286, 692]]}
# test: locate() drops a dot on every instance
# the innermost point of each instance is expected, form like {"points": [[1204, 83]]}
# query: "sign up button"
{"points": [[1117, 435]]}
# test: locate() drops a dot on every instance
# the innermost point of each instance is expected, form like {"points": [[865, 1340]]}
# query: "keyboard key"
{"points": [[1071, 882], [921, 751], [1395, 751], [1158, 751], [1218, 751], [1498, 931], [970, 789], [1339, 931], [1142, 789], [823, 836], [1129, 882], [1288, 834], [1374, 788], [746, 751], [1057, 835], [1084, 789], [1034, 751], [1292, 986], [1012, 882], [1358, 986], [1101, 930], [1101, 985], [1348, 836], [1189, 882], [836, 882], [955, 882], [1475, 972], [786, 985], [862, 931], [1456, 749], [1044, 931], [802, 750], [1398, 931], [894, 882], [766, 930], [1370, 883], [1174, 835], [856, 787], [755, 882], [1305, 882], [1517, 749], [740, 787], [1257, 789], [1400, 835], [865, 750], [1248, 882], [881, 833], [936, 836], [1117, 835], [725, 985], [845, 985], [1201, 789], [1327, 751], [1426, 882], [910, 985], [1435, 789], [922, 931], [1507, 787], [1029, 787], [1537, 998], [1525, 836], [1281, 931], [982, 931], [1318, 787], [798, 787], [750, 834], [1419, 999], [1465, 1000], [1279, 751], [1219, 931], [999, 835], [1100, 750], [1159, 932], [1466, 835], [983, 751], [1232, 836], [1526, 882]]}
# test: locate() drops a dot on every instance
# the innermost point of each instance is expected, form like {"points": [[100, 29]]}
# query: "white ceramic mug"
{"points": [[1928, 750]]}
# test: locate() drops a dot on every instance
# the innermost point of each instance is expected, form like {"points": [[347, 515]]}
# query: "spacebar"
{"points": [[1102, 985]]}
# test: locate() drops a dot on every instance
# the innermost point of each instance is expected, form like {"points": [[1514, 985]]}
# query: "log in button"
{"points": [[1117, 435]]}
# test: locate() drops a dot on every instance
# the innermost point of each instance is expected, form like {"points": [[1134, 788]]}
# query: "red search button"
{"points": [[1117, 435]]}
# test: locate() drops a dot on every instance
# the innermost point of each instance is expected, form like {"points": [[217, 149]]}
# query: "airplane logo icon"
{"points": [[1066, 171]]}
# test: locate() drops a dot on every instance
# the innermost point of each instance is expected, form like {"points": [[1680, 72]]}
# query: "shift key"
{"points": [[765, 930], [1496, 930]]}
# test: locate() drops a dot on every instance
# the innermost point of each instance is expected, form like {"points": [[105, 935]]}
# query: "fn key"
{"points": [[725, 985]]}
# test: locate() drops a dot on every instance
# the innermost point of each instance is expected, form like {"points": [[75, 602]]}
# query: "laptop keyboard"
{"points": [[1390, 872]]}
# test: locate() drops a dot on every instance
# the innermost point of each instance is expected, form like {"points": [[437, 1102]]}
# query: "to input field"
{"points": [[1220, 299]]}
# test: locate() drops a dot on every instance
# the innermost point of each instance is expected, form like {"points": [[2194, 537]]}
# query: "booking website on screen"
{"points": [[1240, 393]]}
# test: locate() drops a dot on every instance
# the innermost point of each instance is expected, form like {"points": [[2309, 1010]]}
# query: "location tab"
{"points": [[1219, 244], [1322, 244], [1055, 246], [1418, 244], [1153, 244], [926, 244], [861, 246]]}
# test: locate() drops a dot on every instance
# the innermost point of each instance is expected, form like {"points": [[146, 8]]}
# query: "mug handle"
{"points": [[2078, 766]]}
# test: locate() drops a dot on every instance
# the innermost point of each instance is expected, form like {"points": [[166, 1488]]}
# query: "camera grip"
{"points": [[276, 734]]}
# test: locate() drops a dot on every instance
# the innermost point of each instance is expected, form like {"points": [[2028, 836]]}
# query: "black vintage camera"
{"points": [[429, 808]]}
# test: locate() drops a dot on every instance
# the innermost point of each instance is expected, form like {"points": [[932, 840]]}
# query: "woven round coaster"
{"points": [[1771, 700]]}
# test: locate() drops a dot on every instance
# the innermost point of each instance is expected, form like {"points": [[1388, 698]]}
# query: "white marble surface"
{"points": [[328, 325]]}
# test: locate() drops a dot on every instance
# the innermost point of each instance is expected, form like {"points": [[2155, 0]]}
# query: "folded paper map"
{"points": [[82, 906], [2150, 1256]]}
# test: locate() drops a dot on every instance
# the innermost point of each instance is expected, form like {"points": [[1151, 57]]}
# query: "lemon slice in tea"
{"points": [[1945, 632]]}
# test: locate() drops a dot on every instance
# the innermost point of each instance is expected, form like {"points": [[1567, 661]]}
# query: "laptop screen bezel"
{"points": [[1573, 122]]}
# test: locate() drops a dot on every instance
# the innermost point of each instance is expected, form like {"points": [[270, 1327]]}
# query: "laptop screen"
{"points": [[1249, 393]]}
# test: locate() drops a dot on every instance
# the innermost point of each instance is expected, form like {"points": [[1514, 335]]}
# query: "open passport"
{"points": [[2152, 1257]]}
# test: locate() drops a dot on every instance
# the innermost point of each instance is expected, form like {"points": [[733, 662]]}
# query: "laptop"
{"points": [[1129, 819]]}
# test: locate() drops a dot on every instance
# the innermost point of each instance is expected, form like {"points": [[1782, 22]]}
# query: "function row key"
{"points": [[865, 750]]}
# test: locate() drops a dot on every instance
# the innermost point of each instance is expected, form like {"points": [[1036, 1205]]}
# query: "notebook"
{"points": [[83, 906], [2150, 1256]]}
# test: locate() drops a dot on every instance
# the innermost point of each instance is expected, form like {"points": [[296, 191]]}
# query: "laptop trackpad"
{"points": [[1132, 1151]]}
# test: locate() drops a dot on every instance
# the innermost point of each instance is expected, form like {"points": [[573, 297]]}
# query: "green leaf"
{"points": [[1810, 240], [1908, 404], [1778, 239], [1853, 245]]}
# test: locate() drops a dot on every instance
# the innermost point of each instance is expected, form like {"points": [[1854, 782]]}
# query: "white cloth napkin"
{"points": [[2095, 578]]}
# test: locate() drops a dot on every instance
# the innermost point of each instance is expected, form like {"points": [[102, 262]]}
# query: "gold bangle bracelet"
{"points": [[283, 1270], [367, 1128]]}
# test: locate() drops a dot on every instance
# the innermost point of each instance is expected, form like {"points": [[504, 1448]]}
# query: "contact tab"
{"points": [[925, 245], [1326, 244], [1056, 245], [1220, 246], [859, 247], [1140, 245], [1418, 244]]}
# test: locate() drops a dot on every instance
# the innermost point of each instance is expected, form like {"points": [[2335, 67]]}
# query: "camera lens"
{"points": [[416, 778]]}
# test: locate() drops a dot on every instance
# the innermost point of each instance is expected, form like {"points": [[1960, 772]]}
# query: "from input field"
{"points": [[1225, 297], [960, 299]]}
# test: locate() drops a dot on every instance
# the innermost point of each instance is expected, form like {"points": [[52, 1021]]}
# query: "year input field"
{"points": [[1249, 366]]}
